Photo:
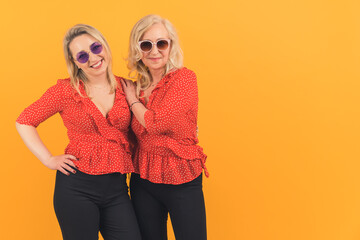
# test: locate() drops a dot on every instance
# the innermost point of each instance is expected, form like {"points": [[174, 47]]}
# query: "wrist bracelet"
{"points": [[133, 104]]}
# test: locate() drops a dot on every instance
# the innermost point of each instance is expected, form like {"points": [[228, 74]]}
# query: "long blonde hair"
{"points": [[137, 68], [77, 74]]}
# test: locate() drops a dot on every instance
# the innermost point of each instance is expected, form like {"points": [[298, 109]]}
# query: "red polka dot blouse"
{"points": [[167, 150], [100, 143]]}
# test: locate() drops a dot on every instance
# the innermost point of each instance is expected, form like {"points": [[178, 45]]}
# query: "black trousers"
{"points": [[86, 204], [185, 204]]}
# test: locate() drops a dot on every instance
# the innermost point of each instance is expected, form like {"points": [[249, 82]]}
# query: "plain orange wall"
{"points": [[278, 115]]}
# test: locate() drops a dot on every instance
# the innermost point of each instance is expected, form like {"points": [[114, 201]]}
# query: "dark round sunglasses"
{"points": [[83, 57], [161, 44]]}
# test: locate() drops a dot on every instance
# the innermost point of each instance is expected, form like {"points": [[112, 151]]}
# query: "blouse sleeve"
{"points": [[180, 98], [49, 103]]}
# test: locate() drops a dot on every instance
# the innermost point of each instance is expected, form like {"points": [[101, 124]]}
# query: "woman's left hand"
{"points": [[130, 90]]}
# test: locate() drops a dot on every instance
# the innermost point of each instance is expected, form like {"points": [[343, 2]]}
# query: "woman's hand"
{"points": [[32, 140], [64, 163], [130, 90], [137, 109]]}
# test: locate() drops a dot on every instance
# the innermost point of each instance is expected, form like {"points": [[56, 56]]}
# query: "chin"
{"points": [[97, 73], [156, 66]]}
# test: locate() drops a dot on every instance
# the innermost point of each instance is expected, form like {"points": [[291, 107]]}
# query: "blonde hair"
{"points": [[137, 68], [77, 74]]}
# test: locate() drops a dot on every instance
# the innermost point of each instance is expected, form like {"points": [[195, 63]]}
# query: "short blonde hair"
{"points": [[137, 68], [77, 74]]}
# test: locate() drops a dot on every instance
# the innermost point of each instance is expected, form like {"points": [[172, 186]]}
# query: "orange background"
{"points": [[278, 115]]}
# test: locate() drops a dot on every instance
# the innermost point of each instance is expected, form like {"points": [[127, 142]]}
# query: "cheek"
{"points": [[77, 65], [143, 58], [104, 55], [166, 55]]}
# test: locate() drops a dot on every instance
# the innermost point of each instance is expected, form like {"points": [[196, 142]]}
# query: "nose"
{"points": [[92, 57], [154, 50]]}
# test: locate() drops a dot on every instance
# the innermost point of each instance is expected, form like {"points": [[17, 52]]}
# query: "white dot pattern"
{"points": [[167, 150], [101, 144]]}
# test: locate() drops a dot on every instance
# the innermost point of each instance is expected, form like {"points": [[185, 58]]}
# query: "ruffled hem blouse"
{"points": [[101, 144], [167, 150]]}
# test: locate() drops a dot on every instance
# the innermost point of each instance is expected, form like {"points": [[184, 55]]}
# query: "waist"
{"points": [[90, 139], [93, 184], [98, 158]]}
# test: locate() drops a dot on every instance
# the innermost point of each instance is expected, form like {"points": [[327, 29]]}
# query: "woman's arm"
{"points": [[49, 103], [137, 108], [32, 140], [181, 97]]}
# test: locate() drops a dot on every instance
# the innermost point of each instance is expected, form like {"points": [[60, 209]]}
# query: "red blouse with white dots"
{"points": [[167, 150], [101, 144]]}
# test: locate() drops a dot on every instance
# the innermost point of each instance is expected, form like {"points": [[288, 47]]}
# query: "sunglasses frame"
{"points": [[88, 52], [152, 44]]}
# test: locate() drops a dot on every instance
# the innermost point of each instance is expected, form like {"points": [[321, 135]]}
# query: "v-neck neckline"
{"points": [[93, 105], [98, 109]]}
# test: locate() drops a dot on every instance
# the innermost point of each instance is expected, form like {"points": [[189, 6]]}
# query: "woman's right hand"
{"points": [[63, 163], [130, 90]]}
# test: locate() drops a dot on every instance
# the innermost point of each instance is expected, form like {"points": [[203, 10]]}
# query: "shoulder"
{"points": [[63, 83], [118, 79], [184, 73], [62, 87], [187, 72], [183, 77]]}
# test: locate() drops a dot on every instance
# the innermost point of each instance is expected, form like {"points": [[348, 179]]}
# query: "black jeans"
{"points": [[86, 204], [184, 202]]}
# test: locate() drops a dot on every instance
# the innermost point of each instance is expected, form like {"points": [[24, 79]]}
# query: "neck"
{"points": [[157, 74], [98, 81]]}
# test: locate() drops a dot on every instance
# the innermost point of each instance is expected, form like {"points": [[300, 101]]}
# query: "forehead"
{"points": [[81, 43], [155, 32]]}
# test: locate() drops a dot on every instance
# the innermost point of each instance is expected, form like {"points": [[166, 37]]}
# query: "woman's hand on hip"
{"points": [[63, 163]]}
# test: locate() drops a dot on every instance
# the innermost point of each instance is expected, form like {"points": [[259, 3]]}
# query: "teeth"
{"points": [[96, 65]]}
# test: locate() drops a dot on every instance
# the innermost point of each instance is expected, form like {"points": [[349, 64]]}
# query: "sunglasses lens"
{"points": [[145, 46], [162, 45], [82, 57], [96, 48]]}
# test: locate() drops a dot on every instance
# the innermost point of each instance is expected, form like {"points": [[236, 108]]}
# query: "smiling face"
{"points": [[155, 59], [97, 64]]}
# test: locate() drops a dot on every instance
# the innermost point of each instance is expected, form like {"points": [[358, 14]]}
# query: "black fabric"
{"points": [[86, 204], [184, 203]]}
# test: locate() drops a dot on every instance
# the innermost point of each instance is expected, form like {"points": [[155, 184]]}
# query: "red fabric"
{"points": [[100, 144], [167, 150]]}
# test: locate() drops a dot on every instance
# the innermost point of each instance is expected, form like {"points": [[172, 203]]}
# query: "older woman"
{"points": [[168, 162], [91, 194]]}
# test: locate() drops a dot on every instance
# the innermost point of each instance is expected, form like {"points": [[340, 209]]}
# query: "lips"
{"points": [[154, 59], [97, 65]]}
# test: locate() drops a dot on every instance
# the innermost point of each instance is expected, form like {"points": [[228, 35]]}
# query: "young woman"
{"points": [[168, 162], [91, 194]]}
